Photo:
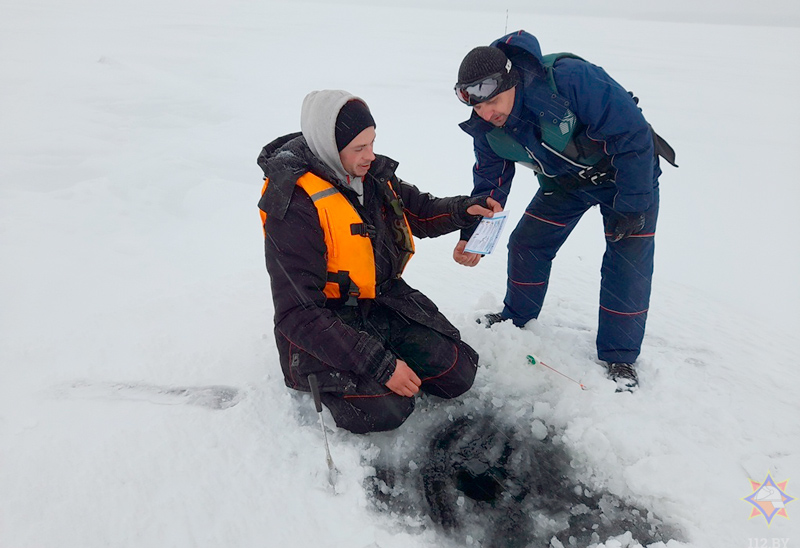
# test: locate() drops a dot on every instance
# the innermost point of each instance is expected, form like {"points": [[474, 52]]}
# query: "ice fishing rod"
{"points": [[534, 361], [333, 473]]}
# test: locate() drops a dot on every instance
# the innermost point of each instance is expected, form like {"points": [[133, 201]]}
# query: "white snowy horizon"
{"points": [[133, 274]]}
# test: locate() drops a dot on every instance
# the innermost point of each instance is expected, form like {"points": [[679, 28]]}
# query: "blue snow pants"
{"points": [[626, 272]]}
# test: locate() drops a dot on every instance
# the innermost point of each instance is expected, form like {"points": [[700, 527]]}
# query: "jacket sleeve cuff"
{"points": [[384, 369], [463, 219], [466, 233]]}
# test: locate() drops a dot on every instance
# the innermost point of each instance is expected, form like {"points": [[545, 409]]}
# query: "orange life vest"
{"points": [[350, 256]]}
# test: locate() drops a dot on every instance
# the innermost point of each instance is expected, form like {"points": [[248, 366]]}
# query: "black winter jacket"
{"points": [[314, 333]]}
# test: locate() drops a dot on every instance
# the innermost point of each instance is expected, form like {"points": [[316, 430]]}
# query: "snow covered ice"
{"points": [[141, 401]]}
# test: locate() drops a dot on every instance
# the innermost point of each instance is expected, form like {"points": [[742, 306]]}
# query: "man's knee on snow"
{"points": [[363, 414], [459, 378], [394, 417]]}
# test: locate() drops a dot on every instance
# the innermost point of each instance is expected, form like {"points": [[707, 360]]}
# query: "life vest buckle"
{"points": [[363, 229], [352, 295]]}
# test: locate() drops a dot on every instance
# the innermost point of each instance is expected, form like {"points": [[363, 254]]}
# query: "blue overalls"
{"points": [[608, 125]]}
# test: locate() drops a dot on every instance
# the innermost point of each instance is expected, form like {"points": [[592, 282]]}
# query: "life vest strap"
{"points": [[347, 288]]}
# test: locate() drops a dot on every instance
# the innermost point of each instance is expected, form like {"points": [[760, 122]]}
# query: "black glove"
{"points": [[622, 225], [465, 217]]}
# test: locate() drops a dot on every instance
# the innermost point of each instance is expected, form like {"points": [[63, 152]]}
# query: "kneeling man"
{"points": [[339, 227]]}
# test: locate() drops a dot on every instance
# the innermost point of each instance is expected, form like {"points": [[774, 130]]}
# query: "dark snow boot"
{"points": [[488, 320], [624, 375]]}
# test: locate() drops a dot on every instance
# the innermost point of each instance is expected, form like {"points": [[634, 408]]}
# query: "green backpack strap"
{"points": [[558, 136], [550, 59], [558, 140]]}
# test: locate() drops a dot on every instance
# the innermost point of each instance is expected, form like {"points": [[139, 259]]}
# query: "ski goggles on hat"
{"points": [[484, 89], [477, 92]]}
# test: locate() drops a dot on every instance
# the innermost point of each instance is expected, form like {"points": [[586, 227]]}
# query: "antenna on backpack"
{"points": [[506, 30]]}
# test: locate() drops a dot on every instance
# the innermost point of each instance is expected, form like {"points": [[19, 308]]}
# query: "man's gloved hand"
{"points": [[622, 225], [482, 206]]}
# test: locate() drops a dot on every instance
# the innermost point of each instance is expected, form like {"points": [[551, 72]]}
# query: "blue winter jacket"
{"points": [[610, 118]]}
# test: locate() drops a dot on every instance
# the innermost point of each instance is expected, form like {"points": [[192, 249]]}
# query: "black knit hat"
{"points": [[484, 61], [352, 120]]}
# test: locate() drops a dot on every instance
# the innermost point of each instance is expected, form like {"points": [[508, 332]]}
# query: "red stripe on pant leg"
{"points": [[545, 220], [356, 396], [648, 235], [624, 313], [448, 369], [525, 283]]}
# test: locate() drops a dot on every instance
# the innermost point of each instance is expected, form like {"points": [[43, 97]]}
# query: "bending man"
{"points": [[588, 144]]}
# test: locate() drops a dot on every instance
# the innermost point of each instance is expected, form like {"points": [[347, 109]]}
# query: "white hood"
{"points": [[318, 124]]}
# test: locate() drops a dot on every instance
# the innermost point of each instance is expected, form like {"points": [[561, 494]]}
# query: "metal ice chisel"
{"points": [[333, 473]]}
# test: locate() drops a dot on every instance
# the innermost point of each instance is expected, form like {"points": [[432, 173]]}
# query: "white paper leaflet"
{"points": [[487, 234]]}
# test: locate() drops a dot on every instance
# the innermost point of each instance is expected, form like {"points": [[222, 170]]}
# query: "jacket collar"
{"points": [[476, 126], [288, 158]]}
